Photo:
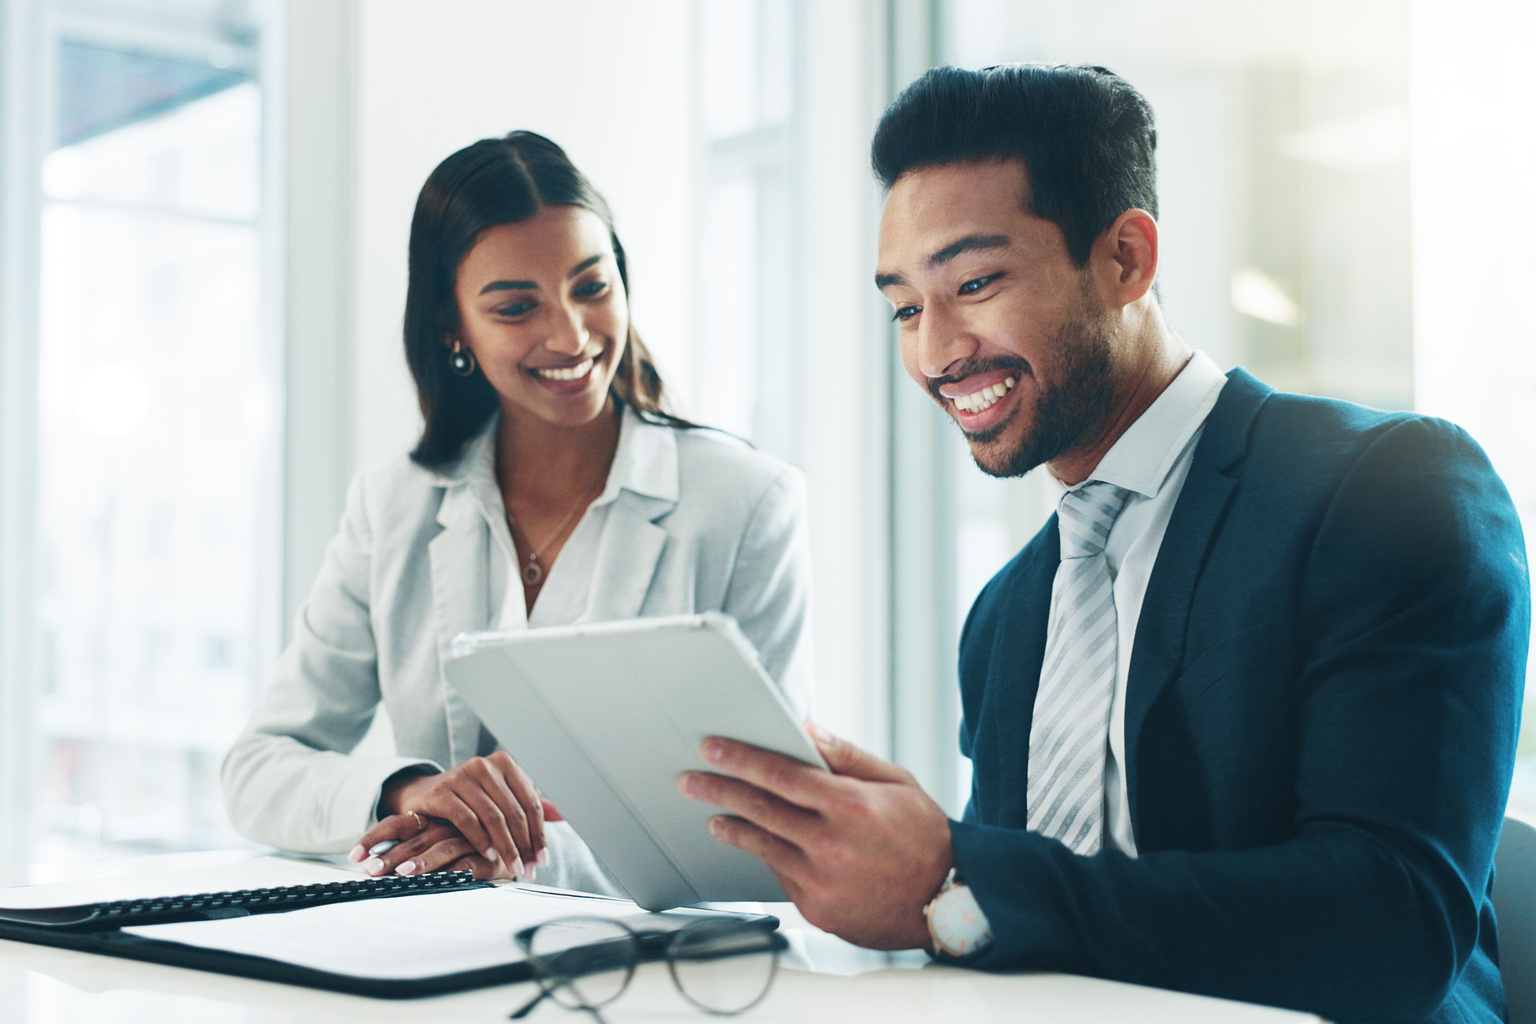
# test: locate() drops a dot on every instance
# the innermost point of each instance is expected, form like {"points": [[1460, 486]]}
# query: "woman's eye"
{"points": [[515, 309], [905, 313], [976, 284], [589, 288]]}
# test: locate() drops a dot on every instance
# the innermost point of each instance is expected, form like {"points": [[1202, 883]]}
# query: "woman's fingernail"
{"points": [[357, 854], [542, 860], [492, 856], [407, 868], [714, 751], [533, 873], [517, 868], [373, 866], [818, 733], [717, 827]]}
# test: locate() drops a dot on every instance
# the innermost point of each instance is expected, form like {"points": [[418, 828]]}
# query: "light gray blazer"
{"points": [[700, 522]]}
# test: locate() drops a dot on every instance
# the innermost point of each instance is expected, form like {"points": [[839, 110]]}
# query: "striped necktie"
{"points": [[1069, 735]]}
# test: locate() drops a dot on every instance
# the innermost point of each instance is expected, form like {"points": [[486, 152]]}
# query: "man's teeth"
{"points": [[570, 373], [986, 398]]}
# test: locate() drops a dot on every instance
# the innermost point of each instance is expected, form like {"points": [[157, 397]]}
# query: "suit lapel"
{"points": [[460, 602], [1018, 652], [1160, 633]]}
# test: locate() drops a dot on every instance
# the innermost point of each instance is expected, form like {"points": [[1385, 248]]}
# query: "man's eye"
{"points": [[905, 313], [976, 284], [514, 310]]}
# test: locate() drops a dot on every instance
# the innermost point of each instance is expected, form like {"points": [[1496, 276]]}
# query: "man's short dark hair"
{"points": [[1085, 136]]}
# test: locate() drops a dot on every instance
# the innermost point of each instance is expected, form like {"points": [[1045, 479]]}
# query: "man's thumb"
{"points": [[846, 759]]}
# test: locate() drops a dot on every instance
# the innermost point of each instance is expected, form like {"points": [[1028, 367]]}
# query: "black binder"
{"points": [[91, 929]]}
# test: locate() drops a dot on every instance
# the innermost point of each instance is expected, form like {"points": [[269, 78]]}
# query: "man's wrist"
{"points": [[957, 926]]}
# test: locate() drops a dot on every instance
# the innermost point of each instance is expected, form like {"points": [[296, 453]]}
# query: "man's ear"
{"points": [[1125, 257]]}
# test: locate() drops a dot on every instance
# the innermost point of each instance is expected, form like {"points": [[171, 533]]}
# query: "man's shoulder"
{"points": [[1308, 435]]}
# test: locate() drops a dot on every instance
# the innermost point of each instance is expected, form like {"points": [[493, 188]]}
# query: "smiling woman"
{"points": [[549, 486]]}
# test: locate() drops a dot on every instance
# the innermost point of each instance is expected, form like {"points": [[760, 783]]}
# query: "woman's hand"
{"points": [[421, 845], [490, 801]]}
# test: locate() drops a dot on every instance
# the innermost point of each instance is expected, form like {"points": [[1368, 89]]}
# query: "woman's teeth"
{"points": [[986, 398], [576, 372]]}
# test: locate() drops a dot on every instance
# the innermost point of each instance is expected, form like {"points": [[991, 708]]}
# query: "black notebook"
{"points": [[388, 938]]}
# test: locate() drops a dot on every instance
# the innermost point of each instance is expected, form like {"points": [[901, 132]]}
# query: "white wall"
{"points": [[608, 80]]}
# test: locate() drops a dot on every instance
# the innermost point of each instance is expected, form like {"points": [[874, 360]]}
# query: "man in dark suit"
{"points": [[1243, 714]]}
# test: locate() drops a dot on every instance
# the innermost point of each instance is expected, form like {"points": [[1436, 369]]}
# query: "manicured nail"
{"points": [[407, 868], [357, 854], [717, 827], [373, 866], [819, 734], [533, 873], [517, 868], [542, 860], [492, 856], [714, 751]]}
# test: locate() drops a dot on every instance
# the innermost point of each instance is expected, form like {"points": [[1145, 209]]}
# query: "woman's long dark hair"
{"points": [[494, 181]]}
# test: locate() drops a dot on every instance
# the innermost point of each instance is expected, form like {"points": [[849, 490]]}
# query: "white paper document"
{"points": [[399, 938]]}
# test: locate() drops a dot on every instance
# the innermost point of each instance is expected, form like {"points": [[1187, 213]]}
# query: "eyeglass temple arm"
{"points": [[528, 1007]]}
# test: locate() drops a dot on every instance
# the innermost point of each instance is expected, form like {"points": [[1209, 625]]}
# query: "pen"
{"points": [[384, 847]]}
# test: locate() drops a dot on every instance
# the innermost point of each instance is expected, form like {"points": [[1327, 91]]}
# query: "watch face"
{"points": [[958, 925]]}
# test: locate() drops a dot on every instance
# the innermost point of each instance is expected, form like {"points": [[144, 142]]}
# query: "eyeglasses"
{"points": [[721, 965]]}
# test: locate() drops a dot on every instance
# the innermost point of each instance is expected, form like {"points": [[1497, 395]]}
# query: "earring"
{"points": [[461, 360]]}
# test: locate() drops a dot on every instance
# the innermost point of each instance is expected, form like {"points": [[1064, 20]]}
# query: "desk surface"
{"points": [[822, 978]]}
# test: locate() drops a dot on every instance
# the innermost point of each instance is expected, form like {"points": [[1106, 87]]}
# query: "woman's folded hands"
{"points": [[482, 816]]}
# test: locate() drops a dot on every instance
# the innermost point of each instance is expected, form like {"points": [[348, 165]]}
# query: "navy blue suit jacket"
{"points": [[1320, 726]]}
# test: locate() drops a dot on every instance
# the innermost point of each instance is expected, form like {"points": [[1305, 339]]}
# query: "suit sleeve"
{"points": [[1416, 599], [290, 779], [769, 594]]}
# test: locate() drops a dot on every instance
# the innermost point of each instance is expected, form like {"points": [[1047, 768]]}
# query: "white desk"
{"points": [[822, 979]]}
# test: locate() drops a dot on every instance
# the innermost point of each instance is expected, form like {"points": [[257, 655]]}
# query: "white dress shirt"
{"points": [[568, 582], [1150, 460]]}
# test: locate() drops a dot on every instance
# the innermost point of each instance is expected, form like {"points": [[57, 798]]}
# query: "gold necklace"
{"points": [[532, 572]]}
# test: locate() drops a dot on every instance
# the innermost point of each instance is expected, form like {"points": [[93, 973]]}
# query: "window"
{"points": [[745, 357], [155, 426]]}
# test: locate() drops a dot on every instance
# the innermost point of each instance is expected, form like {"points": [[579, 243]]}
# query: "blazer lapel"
{"points": [[1213, 476], [627, 556], [460, 602]]}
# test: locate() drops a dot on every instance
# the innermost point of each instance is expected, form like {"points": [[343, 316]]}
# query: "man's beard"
{"points": [[1069, 413]]}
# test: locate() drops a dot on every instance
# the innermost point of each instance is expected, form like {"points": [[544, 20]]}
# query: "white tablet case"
{"points": [[604, 717]]}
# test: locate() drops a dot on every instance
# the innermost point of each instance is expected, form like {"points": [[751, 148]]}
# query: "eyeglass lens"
{"points": [[584, 962], [723, 966]]}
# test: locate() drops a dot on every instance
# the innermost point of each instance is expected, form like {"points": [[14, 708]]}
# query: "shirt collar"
{"points": [[645, 462], [1146, 453]]}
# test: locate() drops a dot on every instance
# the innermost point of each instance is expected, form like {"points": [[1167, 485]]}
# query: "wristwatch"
{"points": [[956, 924]]}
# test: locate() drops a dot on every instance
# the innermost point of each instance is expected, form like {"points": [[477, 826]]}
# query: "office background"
{"points": [[204, 207]]}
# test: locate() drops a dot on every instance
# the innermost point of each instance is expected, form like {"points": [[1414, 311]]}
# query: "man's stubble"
{"points": [[1075, 403]]}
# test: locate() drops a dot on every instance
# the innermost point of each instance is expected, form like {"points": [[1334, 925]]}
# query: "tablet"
{"points": [[605, 716]]}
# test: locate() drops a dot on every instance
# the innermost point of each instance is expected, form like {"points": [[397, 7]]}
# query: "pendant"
{"points": [[533, 573]]}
